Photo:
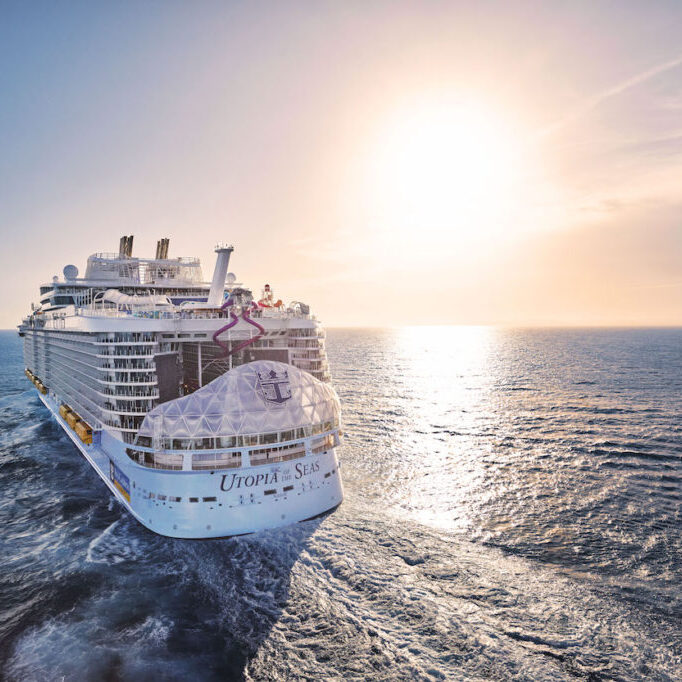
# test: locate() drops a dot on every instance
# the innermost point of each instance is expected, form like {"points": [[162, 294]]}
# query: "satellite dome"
{"points": [[231, 278], [70, 272]]}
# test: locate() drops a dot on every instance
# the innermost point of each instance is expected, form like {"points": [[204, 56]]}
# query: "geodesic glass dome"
{"points": [[259, 397]]}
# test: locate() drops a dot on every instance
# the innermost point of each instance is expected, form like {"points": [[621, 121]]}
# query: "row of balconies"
{"points": [[130, 424], [135, 365], [120, 378], [126, 338], [311, 343], [306, 332], [122, 352], [127, 393]]}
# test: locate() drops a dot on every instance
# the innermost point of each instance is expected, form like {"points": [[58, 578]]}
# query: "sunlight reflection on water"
{"points": [[536, 439], [446, 376]]}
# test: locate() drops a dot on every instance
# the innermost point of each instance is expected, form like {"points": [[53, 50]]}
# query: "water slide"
{"points": [[245, 316]]}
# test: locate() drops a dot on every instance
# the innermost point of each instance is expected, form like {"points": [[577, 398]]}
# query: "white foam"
{"points": [[110, 547]]}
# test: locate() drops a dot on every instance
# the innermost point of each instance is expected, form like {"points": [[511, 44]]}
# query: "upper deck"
{"points": [[122, 270], [179, 278]]}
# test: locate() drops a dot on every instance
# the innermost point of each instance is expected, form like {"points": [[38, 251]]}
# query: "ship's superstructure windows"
{"points": [[216, 460], [277, 454], [323, 444], [108, 378]]}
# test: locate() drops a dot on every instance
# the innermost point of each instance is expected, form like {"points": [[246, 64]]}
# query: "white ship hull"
{"points": [[241, 504]]}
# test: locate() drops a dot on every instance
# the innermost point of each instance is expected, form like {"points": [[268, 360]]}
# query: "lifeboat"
{"points": [[81, 428], [84, 432]]}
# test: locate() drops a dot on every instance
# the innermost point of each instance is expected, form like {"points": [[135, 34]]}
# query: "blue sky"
{"points": [[265, 124]]}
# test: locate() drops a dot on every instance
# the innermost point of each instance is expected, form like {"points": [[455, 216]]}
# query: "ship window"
{"points": [[161, 497], [287, 488], [277, 454], [174, 499], [270, 492], [209, 499], [322, 444], [193, 499]]}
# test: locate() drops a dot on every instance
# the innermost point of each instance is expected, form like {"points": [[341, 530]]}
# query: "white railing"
{"points": [[156, 313]]}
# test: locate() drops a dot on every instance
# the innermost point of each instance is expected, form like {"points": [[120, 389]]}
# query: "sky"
{"points": [[390, 163]]}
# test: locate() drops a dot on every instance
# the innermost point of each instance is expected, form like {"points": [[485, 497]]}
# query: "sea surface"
{"points": [[513, 511]]}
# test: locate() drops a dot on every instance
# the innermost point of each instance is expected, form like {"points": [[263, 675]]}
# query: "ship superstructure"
{"points": [[205, 412]]}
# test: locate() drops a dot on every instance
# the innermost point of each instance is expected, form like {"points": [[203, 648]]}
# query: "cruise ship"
{"points": [[206, 412]]}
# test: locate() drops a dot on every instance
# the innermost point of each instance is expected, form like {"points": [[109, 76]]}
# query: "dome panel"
{"points": [[258, 397]]}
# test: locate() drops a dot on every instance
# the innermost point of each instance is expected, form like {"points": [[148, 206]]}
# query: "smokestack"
{"points": [[125, 247], [162, 248], [215, 296]]}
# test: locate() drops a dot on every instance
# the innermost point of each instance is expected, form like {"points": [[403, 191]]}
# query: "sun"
{"points": [[445, 167]]}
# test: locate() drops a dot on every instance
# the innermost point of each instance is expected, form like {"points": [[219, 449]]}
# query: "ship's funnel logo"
{"points": [[274, 387]]}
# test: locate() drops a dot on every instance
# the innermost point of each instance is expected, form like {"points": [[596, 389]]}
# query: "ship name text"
{"points": [[237, 481]]}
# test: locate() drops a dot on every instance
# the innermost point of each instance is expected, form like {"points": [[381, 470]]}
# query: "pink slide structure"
{"points": [[229, 325]]}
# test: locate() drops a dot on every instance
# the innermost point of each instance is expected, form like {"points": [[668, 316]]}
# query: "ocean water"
{"points": [[513, 511]]}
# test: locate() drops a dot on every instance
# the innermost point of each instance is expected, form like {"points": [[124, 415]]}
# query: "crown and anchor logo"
{"points": [[274, 387]]}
